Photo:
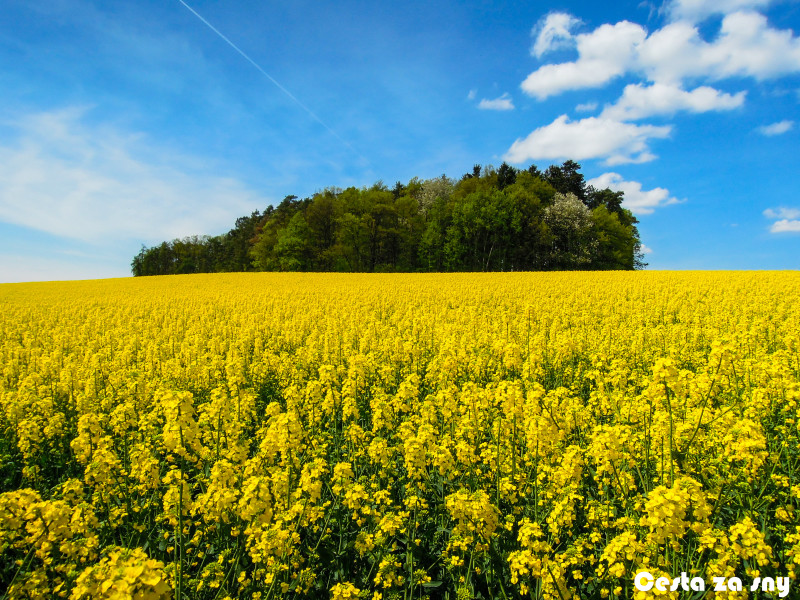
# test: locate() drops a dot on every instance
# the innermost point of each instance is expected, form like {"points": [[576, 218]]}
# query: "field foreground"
{"points": [[399, 436]]}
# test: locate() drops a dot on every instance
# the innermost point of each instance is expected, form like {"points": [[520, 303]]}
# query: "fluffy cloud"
{"points": [[99, 185], [782, 213], [698, 10], [785, 226], [593, 137], [639, 102], [787, 220], [502, 103], [636, 199], [552, 32], [778, 128], [607, 52], [746, 46]]}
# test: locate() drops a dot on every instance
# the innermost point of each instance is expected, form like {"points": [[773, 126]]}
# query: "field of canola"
{"points": [[450, 436]]}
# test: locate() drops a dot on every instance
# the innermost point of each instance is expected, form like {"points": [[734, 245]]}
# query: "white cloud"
{"points": [[778, 128], [587, 107], [471, 95], [645, 249], [502, 103], [782, 213], [99, 185], [669, 53], [552, 32], [788, 219], [639, 102], [604, 54], [636, 199], [698, 10], [785, 226], [746, 46], [588, 138]]}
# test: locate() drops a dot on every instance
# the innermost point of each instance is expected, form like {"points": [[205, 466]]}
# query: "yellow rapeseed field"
{"points": [[536, 435]]}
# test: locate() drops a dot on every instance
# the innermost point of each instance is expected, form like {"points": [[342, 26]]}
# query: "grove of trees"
{"points": [[503, 219]]}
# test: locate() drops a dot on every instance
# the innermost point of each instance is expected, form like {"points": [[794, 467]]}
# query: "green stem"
{"points": [[671, 440]]}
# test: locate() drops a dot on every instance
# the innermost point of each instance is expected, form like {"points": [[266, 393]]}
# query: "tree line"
{"points": [[504, 219]]}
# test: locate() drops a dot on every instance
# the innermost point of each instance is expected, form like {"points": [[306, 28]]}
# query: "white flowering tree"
{"points": [[439, 187], [570, 224]]}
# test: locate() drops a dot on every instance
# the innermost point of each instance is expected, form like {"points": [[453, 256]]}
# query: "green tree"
{"points": [[432, 241], [321, 216], [293, 248], [506, 175], [528, 196], [615, 241], [567, 179], [610, 199]]}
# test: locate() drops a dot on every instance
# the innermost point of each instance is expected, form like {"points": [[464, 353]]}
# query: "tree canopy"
{"points": [[503, 219]]}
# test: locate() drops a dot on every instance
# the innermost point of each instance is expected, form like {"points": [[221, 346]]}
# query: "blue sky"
{"points": [[127, 123]]}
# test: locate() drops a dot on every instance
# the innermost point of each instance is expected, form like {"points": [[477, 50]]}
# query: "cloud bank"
{"points": [[92, 183], [636, 199], [604, 54], [676, 68], [787, 220], [639, 101], [746, 46], [592, 137]]}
